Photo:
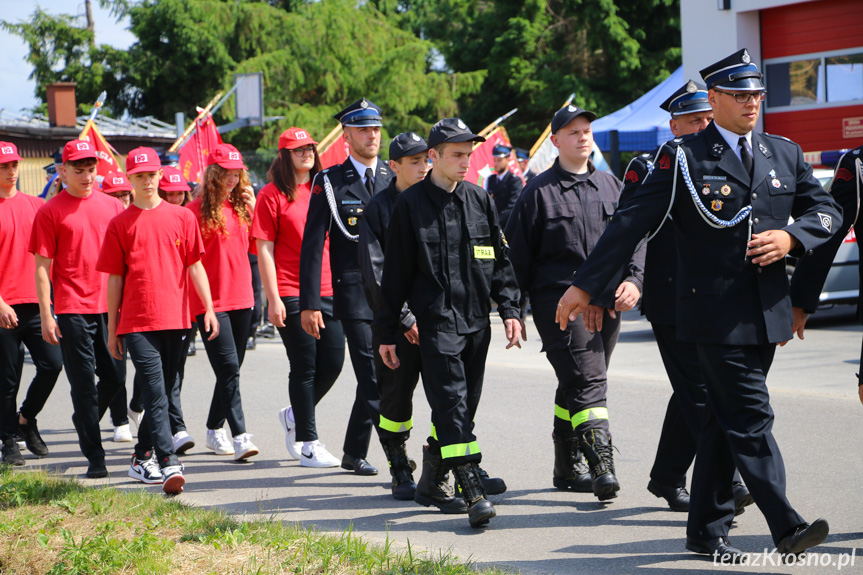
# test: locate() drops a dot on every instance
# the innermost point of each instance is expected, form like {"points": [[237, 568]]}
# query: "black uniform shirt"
{"points": [[556, 224], [445, 256]]}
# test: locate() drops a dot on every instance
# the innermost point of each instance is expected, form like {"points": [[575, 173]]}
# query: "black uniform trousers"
{"points": [[580, 360], [453, 368], [156, 356], [46, 357], [84, 346], [737, 430], [396, 389], [365, 413]]}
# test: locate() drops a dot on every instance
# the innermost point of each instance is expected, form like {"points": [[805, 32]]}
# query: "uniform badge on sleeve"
{"points": [[664, 162], [631, 176], [844, 175], [317, 189], [826, 221]]}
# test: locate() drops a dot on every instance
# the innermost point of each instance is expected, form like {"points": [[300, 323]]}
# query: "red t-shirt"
{"points": [[282, 222], [226, 259], [17, 265], [70, 230], [153, 250]]}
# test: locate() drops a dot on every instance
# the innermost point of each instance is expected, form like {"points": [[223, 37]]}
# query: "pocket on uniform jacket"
{"points": [[608, 208], [781, 196], [351, 214], [349, 278], [480, 242], [559, 227], [429, 235]]}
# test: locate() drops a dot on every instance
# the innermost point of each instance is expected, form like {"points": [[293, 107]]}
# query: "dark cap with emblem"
{"points": [[359, 114], [689, 99], [407, 144], [452, 130], [734, 73], [522, 154], [501, 151], [567, 114]]}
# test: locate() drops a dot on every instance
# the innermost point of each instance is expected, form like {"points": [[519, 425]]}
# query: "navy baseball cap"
{"points": [[452, 130], [734, 73], [360, 113], [567, 114], [688, 99], [501, 151], [522, 154], [407, 144]]}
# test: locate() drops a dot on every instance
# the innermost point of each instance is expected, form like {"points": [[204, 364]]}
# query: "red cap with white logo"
{"points": [[173, 180], [78, 150], [294, 138], [142, 160], [116, 182], [8, 153], [227, 156]]}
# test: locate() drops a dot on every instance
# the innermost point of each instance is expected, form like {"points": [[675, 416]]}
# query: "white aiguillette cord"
{"points": [[334, 210]]}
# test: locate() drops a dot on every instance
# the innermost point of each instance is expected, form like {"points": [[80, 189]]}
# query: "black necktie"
{"points": [[370, 181], [745, 156]]}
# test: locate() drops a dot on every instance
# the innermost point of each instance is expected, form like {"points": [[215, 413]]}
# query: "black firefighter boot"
{"points": [[596, 445], [400, 469], [434, 488], [479, 509], [571, 472]]}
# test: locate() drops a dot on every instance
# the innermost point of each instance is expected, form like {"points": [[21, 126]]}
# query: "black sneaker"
{"points": [[145, 470], [267, 331], [97, 469], [192, 349], [251, 343], [30, 434], [10, 454]]}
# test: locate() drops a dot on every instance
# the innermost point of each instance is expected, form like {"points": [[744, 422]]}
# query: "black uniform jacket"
{"points": [[659, 296], [445, 256], [722, 297], [811, 271], [556, 224], [349, 299], [372, 243], [505, 190]]}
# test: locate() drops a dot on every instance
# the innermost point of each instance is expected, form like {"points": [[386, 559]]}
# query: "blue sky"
{"points": [[17, 91]]}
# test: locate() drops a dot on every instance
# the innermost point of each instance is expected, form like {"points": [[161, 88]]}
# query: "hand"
{"points": [[770, 246], [573, 302], [8, 317], [523, 330], [798, 324], [248, 196], [592, 318], [513, 332], [115, 346], [626, 296], [313, 322], [276, 312], [413, 334], [388, 354], [211, 325], [860, 392], [50, 330]]}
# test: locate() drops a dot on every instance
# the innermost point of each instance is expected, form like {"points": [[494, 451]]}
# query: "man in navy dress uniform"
{"points": [[339, 197], [503, 185], [732, 292]]}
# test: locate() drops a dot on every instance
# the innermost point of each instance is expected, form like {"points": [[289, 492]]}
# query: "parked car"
{"points": [[843, 280]]}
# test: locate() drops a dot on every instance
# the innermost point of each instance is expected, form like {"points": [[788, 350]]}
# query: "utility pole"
{"points": [[90, 27]]}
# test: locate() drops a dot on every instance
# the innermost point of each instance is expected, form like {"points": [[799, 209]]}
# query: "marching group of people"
{"points": [[402, 261]]}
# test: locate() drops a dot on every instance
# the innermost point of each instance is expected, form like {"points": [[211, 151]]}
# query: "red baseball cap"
{"points": [[116, 182], [294, 138], [227, 156], [173, 180], [8, 153], [142, 160], [78, 150]]}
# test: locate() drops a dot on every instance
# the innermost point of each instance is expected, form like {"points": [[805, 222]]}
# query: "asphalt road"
{"points": [[819, 426]]}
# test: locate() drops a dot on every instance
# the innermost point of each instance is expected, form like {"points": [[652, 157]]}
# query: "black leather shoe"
{"points": [[677, 497], [803, 537], [742, 497], [358, 465], [719, 548], [97, 469]]}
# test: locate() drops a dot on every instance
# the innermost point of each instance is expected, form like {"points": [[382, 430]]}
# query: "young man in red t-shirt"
{"points": [[150, 252], [66, 238], [19, 318]]}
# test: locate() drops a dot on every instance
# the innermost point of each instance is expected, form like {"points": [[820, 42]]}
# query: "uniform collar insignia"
{"points": [[856, 152], [764, 150], [718, 148]]}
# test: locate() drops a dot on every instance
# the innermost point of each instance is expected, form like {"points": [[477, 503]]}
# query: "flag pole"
{"points": [[494, 124], [194, 124], [547, 130], [329, 139]]}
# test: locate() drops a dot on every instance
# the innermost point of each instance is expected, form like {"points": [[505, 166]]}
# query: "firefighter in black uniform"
{"points": [[732, 291], [555, 224], [522, 156], [503, 185], [690, 113], [339, 196], [446, 257], [409, 164]]}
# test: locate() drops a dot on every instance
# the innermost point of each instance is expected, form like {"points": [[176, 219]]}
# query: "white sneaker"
{"points": [[217, 440], [174, 480], [145, 470], [183, 442], [243, 446], [286, 416], [135, 417], [316, 455], [122, 434]]}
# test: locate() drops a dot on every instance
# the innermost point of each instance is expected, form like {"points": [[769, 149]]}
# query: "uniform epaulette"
{"points": [[645, 156], [777, 136]]}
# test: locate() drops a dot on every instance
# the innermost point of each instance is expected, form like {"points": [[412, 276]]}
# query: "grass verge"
{"points": [[52, 524]]}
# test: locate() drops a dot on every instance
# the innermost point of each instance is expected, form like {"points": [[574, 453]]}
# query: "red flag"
{"points": [[193, 154], [482, 162], [335, 153], [107, 158]]}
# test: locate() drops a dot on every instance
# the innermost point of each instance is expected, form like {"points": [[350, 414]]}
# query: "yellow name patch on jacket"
{"points": [[483, 252]]}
